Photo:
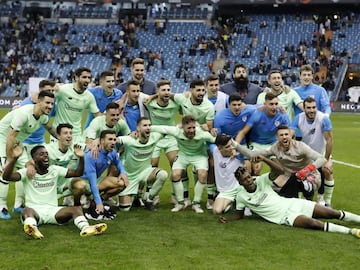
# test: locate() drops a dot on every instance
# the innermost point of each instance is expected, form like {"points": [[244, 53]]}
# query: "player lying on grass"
{"points": [[41, 193], [261, 199]]}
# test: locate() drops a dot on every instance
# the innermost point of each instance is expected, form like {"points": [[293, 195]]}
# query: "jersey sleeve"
{"points": [[174, 131], [93, 108], [90, 169], [326, 124]]}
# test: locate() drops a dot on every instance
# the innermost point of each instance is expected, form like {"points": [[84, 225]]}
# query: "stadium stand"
{"points": [[260, 47]]}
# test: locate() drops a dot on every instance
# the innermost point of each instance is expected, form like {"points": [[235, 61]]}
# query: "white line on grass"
{"points": [[346, 164]]}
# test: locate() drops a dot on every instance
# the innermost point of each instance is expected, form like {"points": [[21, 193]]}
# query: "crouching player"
{"points": [[41, 193]]}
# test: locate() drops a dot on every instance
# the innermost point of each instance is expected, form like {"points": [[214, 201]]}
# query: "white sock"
{"points": [[331, 227], [19, 194], [30, 221], [4, 190], [347, 216], [328, 190], [81, 222], [198, 190]]}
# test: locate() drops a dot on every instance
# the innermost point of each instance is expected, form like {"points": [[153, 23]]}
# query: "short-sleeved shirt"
{"points": [[102, 100], [263, 127], [42, 189], [269, 205], [230, 124], [71, 105], [203, 112], [137, 155], [287, 100], [22, 120], [98, 124], [188, 147], [37, 137], [162, 115], [318, 93], [220, 101], [224, 168], [312, 132], [56, 157]]}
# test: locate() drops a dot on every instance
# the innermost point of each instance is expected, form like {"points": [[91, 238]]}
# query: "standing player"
{"points": [[137, 162], [309, 89], [263, 125], [137, 70], [247, 90], [262, 200], [219, 99], [287, 97], [133, 107], [17, 125], [203, 110], [41, 195], [71, 101], [104, 94], [162, 111], [316, 131], [192, 151]]}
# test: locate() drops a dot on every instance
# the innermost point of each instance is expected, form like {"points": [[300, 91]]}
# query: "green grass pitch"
{"points": [[164, 240]]}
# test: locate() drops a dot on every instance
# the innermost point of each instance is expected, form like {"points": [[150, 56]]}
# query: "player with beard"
{"points": [[137, 162], [203, 110], [40, 191], [137, 70], [299, 161], [192, 151], [287, 97], [104, 94], [16, 126], [111, 121], [316, 131], [103, 187], [72, 100], [248, 91], [233, 119]]}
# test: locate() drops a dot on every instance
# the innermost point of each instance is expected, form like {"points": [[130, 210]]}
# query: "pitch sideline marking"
{"points": [[346, 164]]}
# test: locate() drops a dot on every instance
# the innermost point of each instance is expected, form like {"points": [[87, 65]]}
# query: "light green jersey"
{"points": [[137, 156], [160, 115], [265, 202], [70, 107], [202, 112], [98, 124], [42, 189], [286, 100], [189, 147], [22, 120], [56, 157]]}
